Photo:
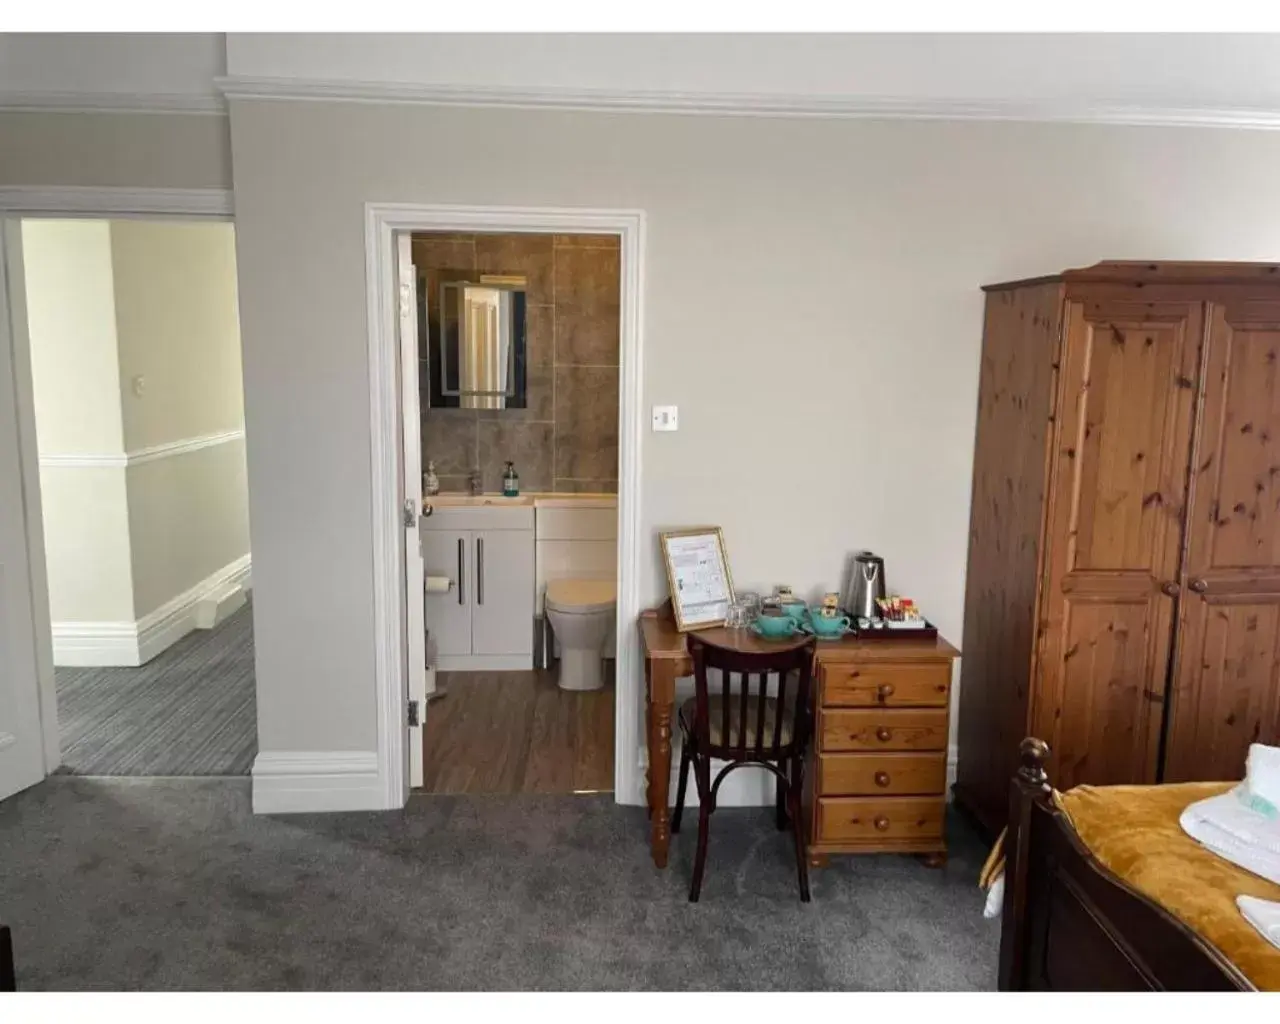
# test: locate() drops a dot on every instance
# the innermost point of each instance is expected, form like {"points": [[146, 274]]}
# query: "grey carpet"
{"points": [[189, 711], [174, 884]]}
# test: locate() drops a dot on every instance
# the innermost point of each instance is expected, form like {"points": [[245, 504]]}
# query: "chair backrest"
{"points": [[742, 719]]}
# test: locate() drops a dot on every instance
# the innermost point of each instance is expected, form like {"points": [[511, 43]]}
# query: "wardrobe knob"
{"points": [[1169, 588], [882, 823], [884, 691], [883, 734], [882, 779], [1199, 586]]}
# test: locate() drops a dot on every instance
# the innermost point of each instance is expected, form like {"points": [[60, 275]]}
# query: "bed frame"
{"points": [[1069, 924]]}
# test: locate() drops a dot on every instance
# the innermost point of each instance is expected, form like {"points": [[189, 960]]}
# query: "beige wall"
{"points": [[812, 305], [71, 314], [178, 323], [115, 150]]}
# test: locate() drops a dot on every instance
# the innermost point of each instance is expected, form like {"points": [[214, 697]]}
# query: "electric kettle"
{"points": [[866, 585]]}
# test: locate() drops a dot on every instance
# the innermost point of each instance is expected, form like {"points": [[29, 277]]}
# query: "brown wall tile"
{"points": [[586, 415], [587, 280], [540, 335], [449, 439], [530, 255], [564, 485], [584, 338], [587, 241], [528, 445]]}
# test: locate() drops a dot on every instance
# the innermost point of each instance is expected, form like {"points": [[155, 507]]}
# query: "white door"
{"points": [[502, 608], [447, 553], [411, 432], [21, 743]]}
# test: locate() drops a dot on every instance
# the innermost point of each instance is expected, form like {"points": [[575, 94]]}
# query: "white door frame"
{"points": [[382, 220], [28, 202]]}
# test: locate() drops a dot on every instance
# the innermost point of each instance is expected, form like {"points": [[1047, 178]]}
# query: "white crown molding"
{"points": [[32, 102], [140, 456], [61, 201], [776, 105]]}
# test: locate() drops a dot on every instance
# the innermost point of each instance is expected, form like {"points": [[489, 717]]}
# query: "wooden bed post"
{"points": [[1030, 784]]}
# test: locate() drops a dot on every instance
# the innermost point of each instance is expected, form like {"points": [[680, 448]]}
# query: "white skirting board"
{"points": [[484, 662], [129, 644], [294, 782]]}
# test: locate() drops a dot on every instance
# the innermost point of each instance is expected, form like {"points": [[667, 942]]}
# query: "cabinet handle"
{"points": [[882, 779], [462, 571], [884, 691], [1199, 586], [882, 823], [883, 734], [479, 570], [1170, 589]]}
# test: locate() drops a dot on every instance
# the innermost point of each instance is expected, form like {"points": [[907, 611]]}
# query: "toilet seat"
{"points": [[581, 597]]}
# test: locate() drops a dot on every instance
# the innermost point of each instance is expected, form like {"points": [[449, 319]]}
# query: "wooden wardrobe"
{"points": [[1123, 591]]}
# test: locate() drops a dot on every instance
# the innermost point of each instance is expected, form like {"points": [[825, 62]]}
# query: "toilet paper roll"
{"points": [[438, 584]]}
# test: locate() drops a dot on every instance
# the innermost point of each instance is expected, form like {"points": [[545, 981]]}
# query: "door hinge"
{"points": [[410, 512], [414, 720]]}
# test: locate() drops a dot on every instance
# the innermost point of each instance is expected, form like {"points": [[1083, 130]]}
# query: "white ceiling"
{"points": [[1186, 78]]}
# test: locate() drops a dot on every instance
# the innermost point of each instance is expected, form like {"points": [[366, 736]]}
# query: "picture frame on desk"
{"points": [[698, 576]]}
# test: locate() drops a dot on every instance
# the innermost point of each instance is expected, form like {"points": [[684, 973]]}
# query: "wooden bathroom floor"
{"points": [[517, 732]]}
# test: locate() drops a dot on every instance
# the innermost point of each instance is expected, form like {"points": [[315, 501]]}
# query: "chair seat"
{"points": [[715, 722]]}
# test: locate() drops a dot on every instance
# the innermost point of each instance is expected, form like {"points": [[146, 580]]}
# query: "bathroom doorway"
{"points": [[577, 346], [518, 360]]}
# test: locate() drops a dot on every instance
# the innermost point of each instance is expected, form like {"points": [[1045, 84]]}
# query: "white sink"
{"points": [[475, 500]]}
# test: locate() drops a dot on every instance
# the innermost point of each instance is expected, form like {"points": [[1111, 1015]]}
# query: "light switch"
{"points": [[666, 417]]}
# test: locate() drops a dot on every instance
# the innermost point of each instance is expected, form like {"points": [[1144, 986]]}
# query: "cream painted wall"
{"points": [[71, 312], [178, 323], [838, 261], [109, 301], [115, 150], [86, 540], [188, 518], [179, 328]]}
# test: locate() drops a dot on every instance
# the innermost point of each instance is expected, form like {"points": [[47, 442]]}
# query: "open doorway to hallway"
{"points": [[133, 332], [518, 365]]}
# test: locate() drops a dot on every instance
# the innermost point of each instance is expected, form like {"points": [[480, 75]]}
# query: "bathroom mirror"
{"points": [[479, 347]]}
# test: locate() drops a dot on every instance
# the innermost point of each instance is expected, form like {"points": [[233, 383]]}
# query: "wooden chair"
{"points": [[745, 726], [8, 978]]}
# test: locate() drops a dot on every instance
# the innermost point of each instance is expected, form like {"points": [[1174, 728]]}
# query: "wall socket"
{"points": [[666, 417]]}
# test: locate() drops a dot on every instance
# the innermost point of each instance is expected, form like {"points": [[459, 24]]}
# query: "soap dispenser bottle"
{"points": [[430, 482], [510, 481]]}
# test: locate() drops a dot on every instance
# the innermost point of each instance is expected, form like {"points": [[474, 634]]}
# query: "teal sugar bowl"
{"points": [[825, 627], [775, 627]]}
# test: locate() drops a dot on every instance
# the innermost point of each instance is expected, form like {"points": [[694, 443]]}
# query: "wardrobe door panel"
{"points": [[1118, 497], [1226, 691]]}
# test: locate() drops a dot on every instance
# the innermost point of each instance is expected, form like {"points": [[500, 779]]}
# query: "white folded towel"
{"points": [[1261, 787], [1235, 832], [1263, 915]]}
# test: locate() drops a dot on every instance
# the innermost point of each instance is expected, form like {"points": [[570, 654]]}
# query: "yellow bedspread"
{"points": [[1134, 831]]}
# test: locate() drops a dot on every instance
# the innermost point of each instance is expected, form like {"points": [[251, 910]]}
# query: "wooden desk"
{"points": [[856, 681]]}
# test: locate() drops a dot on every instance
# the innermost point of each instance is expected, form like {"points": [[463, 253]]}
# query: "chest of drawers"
{"points": [[877, 771]]}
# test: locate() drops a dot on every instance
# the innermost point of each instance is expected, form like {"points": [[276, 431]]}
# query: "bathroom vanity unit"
{"points": [[499, 554], [484, 621]]}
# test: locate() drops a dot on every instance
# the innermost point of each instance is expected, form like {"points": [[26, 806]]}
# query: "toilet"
{"points": [[581, 613]]}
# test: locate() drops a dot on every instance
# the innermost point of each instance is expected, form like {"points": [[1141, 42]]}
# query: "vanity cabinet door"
{"points": [[502, 603], [449, 553]]}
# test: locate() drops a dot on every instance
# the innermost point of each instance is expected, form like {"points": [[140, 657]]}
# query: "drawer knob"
{"points": [[884, 691], [884, 735], [882, 779], [882, 823]]}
